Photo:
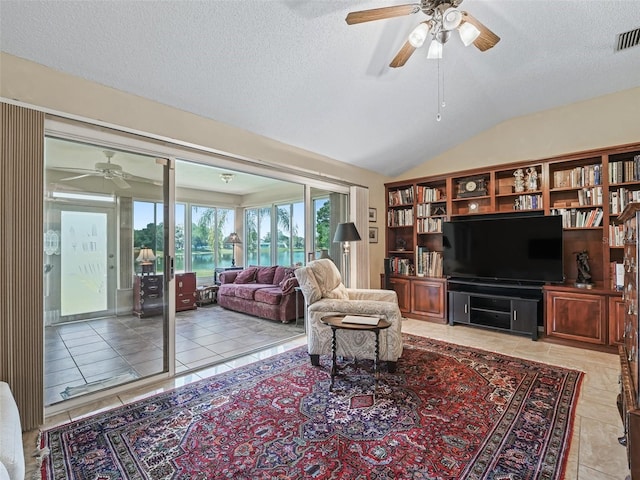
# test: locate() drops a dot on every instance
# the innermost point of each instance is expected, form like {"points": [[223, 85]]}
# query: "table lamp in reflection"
{"points": [[147, 260]]}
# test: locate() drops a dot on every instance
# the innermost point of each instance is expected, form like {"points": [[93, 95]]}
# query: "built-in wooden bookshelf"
{"points": [[588, 189]]}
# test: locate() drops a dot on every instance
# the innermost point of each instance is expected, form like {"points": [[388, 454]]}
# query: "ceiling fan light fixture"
{"points": [[451, 18], [468, 33], [435, 50], [443, 36], [418, 36]]}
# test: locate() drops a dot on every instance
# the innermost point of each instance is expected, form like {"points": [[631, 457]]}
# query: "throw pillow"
{"points": [[288, 285], [282, 273], [265, 274], [246, 276]]}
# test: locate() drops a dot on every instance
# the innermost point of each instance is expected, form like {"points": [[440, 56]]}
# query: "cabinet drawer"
{"points": [[151, 281]]}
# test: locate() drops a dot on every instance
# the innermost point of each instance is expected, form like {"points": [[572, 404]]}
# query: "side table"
{"points": [[335, 322], [206, 294]]}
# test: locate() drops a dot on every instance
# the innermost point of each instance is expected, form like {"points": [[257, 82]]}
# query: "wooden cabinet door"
{"points": [[428, 298], [524, 317], [458, 307], [577, 316], [403, 290], [616, 321]]}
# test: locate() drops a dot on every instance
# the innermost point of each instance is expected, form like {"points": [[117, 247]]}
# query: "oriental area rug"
{"points": [[448, 412]]}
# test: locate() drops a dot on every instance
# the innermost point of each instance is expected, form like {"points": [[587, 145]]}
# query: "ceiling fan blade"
{"points": [[77, 177], [381, 13], [403, 55], [486, 39], [119, 182]]}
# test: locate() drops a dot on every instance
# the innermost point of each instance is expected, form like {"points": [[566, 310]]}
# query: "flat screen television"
{"points": [[522, 249]]}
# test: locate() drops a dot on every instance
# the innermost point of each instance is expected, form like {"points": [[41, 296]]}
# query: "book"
{"points": [[361, 319]]}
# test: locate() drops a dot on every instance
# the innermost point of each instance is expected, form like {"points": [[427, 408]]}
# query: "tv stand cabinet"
{"points": [[507, 307]]}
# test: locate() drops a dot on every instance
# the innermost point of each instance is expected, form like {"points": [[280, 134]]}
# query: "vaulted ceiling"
{"points": [[294, 71]]}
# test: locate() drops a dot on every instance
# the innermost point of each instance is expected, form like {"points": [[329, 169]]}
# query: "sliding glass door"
{"points": [[106, 319]]}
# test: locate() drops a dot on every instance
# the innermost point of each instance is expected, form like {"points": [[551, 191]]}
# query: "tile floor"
{"points": [[594, 454], [115, 350]]}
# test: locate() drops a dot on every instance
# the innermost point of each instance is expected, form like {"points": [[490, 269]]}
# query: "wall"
{"points": [[599, 122], [36, 85]]}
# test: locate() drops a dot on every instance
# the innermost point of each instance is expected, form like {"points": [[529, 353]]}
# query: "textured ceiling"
{"points": [[294, 71]]}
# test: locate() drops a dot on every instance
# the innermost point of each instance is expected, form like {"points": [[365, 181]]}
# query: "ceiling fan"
{"points": [[443, 17], [108, 170]]}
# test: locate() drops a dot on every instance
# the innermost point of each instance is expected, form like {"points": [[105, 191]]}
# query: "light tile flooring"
{"points": [[594, 454], [114, 350]]}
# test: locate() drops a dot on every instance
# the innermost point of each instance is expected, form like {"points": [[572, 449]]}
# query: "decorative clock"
{"points": [[472, 187]]}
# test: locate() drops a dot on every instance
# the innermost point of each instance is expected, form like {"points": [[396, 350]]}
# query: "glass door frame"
{"points": [[99, 137]]}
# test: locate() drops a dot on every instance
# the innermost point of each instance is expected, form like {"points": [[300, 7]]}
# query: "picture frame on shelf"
{"points": [[373, 214], [373, 234]]}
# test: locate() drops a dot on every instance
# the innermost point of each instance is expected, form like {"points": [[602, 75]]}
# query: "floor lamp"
{"points": [[234, 240], [345, 233]]}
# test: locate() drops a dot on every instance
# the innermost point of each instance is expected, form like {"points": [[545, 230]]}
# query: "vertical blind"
{"points": [[21, 259]]}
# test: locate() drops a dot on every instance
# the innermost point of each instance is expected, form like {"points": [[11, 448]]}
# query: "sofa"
{"points": [[326, 295], [265, 292], [12, 464]]}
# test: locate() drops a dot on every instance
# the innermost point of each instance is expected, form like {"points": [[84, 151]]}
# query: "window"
{"points": [[322, 211], [209, 227], [198, 249], [290, 227], [148, 220], [286, 247]]}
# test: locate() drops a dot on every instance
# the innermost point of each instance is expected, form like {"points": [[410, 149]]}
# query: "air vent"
{"points": [[628, 39]]}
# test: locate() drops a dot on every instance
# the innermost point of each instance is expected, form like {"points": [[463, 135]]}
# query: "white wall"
{"points": [[600, 122]]}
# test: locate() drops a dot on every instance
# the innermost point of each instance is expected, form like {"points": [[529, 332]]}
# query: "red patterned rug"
{"points": [[449, 412]]}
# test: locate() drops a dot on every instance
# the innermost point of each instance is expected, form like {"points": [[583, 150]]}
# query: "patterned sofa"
{"points": [[326, 295], [266, 292]]}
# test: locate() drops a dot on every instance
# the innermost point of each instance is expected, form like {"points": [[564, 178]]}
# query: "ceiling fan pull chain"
{"points": [[438, 116], [442, 104]]}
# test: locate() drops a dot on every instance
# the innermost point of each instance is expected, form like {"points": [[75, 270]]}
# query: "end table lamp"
{"points": [[234, 240], [345, 233], [146, 258]]}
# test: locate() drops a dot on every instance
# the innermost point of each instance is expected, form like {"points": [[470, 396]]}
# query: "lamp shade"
{"points": [[233, 238], [468, 33], [435, 50], [346, 232], [419, 35], [146, 255]]}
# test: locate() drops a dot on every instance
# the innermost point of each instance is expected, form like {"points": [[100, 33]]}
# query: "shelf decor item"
{"points": [[472, 187], [532, 179], [518, 184], [583, 279]]}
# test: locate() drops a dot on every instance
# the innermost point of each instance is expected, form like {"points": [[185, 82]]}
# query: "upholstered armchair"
{"points": [[326, 295]]}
